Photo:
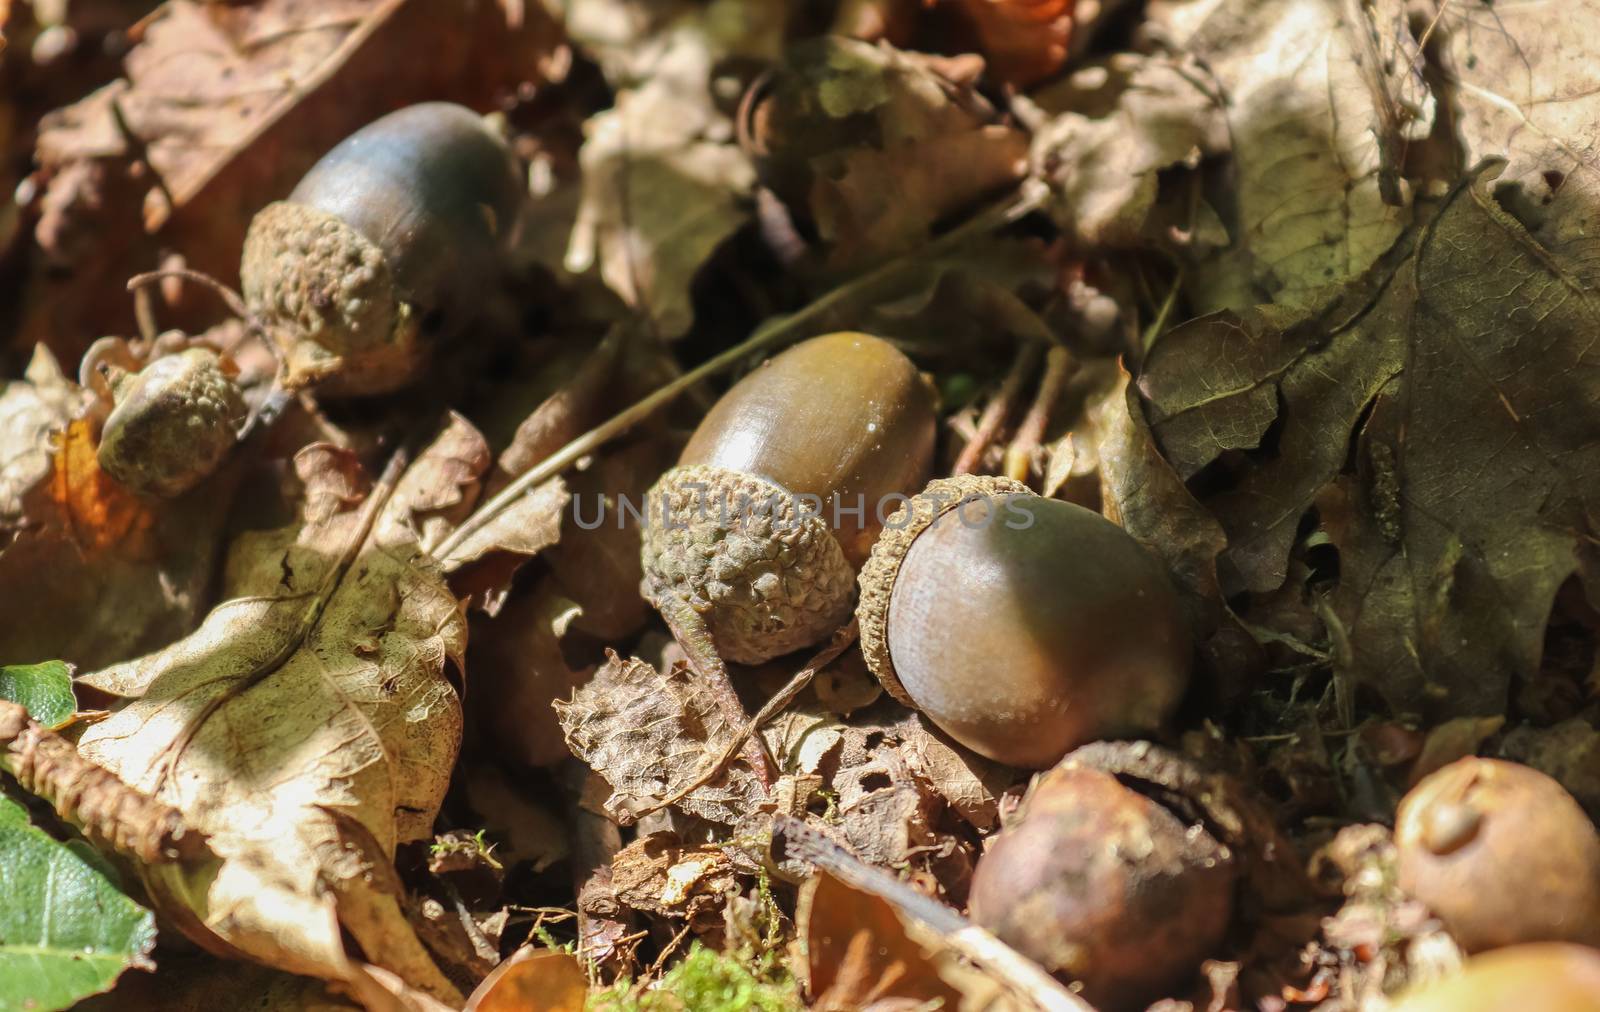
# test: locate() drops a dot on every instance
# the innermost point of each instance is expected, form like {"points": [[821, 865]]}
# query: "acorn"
{"points": [[1106, 886], [754, 538], [1547, 976], [383, 249], [172, 424], [1021, 626], [1502, 854]]}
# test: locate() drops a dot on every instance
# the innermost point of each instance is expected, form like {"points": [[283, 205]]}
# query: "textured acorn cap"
{"points": [[734, 548], [173, 423], [877, 577], [329, 299]]}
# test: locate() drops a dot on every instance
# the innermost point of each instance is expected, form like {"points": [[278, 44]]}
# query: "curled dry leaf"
{"points": [[1313, 110], [308, 727], [91, 572], [1114, 126], [544, 979], [650, 735]]}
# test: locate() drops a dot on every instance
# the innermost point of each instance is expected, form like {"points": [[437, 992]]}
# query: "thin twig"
{"points": [[1059, 365], [792, 838], [1021, 203], [999, 409], [774, 706]]}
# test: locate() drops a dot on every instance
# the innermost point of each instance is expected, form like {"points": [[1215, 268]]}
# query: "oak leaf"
{"points": [[308, 727]]}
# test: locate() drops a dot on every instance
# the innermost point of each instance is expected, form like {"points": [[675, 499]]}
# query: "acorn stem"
{"points": [[1023, 201], [690, 631]]}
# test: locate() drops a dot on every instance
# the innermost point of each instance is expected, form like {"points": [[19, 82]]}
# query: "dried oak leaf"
{"points": [[1114, 127], [663, 181], [662, 875], [651, 734], [1460, 372], [1307, 96], [89, 572], [1524, 89], [225, 106], [308, 727], [875, 146]]}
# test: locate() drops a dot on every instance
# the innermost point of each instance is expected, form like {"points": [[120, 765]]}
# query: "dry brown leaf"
{"points": [[1114, 126], [89, 572], [875, 146], [544, 979], [660, 874], [525, 528], [663, 182], [519, 671], [1524, 90], [859, 954], [651, 734], [307, 727], [224, 107], [1308, 136]]}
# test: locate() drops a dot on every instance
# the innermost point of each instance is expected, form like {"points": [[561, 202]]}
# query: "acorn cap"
{"points": [[327, 296], [736, 549], [173, 424], [877, 577]]}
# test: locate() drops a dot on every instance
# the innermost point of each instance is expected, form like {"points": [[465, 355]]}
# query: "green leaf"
{"points": [[66, 932], [45, 690]]}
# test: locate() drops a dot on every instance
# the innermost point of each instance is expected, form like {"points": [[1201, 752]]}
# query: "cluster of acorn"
{"points": [[1022, 626]]}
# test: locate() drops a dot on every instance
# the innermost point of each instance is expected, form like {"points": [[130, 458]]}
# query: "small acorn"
{"points": [[1538, 977], [1022, 626], [173, 423], [1502, 854], [744, 540], [1106, 886], [383, 248]]}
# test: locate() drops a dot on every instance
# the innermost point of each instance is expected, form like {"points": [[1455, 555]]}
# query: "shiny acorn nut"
{"points": [[1105, 886], [1022, 626], [383, 247], [1502, 854], [844, 418], [173, 423], [1542, 976]]}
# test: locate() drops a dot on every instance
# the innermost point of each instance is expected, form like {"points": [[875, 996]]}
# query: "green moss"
{"points": [[707, 981]]}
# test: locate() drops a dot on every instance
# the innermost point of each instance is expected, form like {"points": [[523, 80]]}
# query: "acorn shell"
{"points": [[844, 417], [1102, 885], [1502, 854], [1021, 640], [383, 248]]}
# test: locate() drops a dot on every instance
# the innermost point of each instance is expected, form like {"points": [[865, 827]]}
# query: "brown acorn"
{"points": [[173, 423], [1106, 886], [382, 250], [1542, 976], [1022, 626], [744, 539], [1502, 854]]}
